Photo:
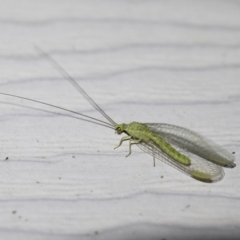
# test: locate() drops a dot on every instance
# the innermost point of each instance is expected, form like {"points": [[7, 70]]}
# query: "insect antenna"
{"points": [[106, 124], [73, 82]]}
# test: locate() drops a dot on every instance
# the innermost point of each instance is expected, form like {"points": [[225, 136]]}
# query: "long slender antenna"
{"points": [[73, 82], [32, 100]]}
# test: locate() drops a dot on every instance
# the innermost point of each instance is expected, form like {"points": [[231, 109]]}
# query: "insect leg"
{"points": [[132, 141], [153, 156], [123, 139]]}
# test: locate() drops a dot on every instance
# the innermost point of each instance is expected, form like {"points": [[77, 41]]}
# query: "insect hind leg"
{"points": [[153, 156]]}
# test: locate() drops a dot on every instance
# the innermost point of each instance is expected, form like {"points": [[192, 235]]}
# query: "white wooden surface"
{"points": [[151, 61]]}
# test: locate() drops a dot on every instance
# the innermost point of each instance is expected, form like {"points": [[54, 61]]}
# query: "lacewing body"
{"points": [[181, 148]]}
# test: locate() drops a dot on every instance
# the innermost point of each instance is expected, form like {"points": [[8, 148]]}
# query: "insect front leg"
{"points": [[132, 141], [123, 139]]}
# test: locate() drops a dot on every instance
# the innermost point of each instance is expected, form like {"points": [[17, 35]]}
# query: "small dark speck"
{"points": [[37, 182], [233, 152], [14, 212], [164, 239], [161, 176], [59, 178], [6, 158], [73, 156], [186, 207], [96, 232]]}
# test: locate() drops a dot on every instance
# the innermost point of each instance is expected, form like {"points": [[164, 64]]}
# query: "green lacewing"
{"points": [[181, 148]]}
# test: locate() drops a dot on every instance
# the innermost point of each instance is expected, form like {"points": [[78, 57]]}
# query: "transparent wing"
{"points": [[199, 169], [193, 143]]}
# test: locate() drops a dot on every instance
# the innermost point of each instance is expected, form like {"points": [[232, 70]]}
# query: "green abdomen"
{"points": [[169, 150], [142, 132]]}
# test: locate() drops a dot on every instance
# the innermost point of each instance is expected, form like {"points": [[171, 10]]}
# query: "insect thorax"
{"points": [[134, 129]]}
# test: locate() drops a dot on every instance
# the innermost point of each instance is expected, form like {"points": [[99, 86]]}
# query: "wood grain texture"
{"points": [[150, 61]]}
